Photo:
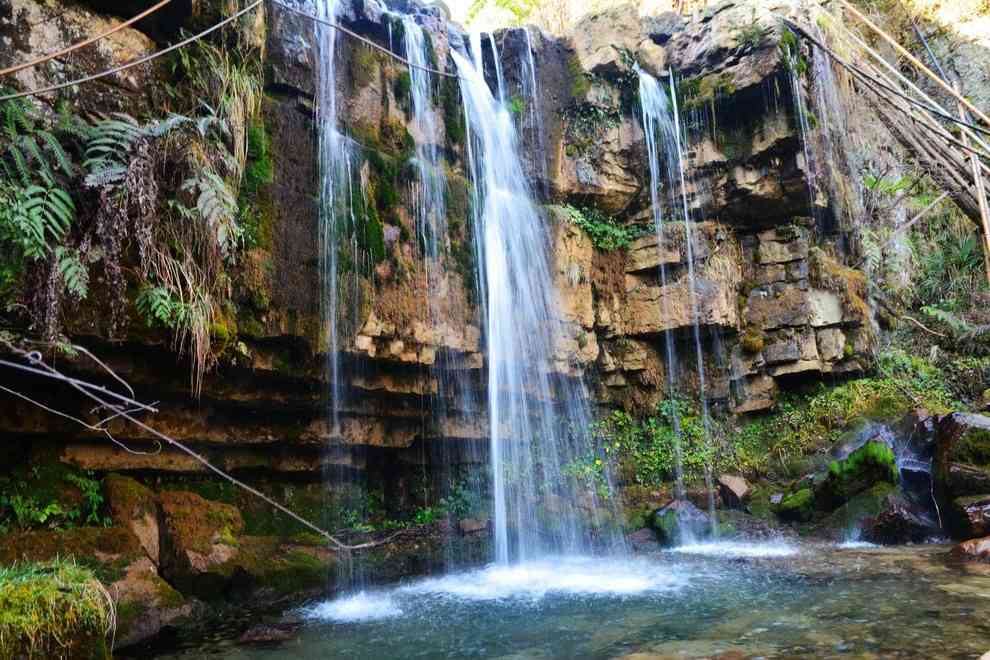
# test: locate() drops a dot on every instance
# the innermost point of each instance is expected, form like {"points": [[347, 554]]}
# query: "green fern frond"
{"points": [[58, 152], [75, 275]]}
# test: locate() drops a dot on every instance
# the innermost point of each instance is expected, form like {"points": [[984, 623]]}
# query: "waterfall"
{"points": [[658, 124], [531, 92], [538, 421], [804, 125], [334, 161], [664, 139], [429, 190]]}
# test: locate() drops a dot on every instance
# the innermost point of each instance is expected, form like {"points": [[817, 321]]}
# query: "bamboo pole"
{"points": [[981, 195], [917, 63], [857, 41]]}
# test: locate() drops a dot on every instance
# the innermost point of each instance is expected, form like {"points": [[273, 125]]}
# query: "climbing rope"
{"points": [[196, 37], [83, 44]]}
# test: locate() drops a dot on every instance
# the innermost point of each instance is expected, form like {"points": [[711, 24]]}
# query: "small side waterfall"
{"points": [[531, 94], [664, 142], [659, 129], [538, 421], [431, 184], [335, 168]]}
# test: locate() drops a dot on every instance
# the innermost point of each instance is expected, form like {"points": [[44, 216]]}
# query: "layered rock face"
{"points": [[774, 300]]}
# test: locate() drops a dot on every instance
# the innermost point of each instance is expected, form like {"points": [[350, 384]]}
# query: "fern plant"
{"points": [[35, 219]]}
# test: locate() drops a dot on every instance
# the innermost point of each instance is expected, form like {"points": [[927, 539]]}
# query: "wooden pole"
{"points": [[917, 63], [981, 195]]}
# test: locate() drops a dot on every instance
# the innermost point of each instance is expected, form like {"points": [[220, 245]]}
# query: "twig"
{"points": [[923, 326]]}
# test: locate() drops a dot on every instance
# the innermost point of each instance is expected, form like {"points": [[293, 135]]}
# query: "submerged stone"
{"points": [[680, 521]]}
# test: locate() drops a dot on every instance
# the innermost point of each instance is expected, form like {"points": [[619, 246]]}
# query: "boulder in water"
{"points": [[679, 521], [643, 540], [898, 522], [735, 490], [973, 549], [969, 517], [962, 455]]}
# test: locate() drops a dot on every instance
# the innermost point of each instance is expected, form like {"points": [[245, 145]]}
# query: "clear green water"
{"points": [[821, 601]]}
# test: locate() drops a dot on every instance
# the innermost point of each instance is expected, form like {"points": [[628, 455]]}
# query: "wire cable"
{"points": [[137, 62], [83, 44], [369, 42], [196, 37]]}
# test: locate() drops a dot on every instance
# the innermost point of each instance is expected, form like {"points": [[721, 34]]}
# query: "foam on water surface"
{"points": [[586, 576], [362, 606], [527, 581], [727, 549]]}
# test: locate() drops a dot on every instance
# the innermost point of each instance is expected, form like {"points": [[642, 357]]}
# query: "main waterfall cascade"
{"points": [[538, 423]]}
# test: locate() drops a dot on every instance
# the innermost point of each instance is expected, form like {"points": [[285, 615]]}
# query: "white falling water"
{"points": [[335, 166], [664, 142], [538, 423], [659, 129], [431, 183], [810, 162], [531, 93]]}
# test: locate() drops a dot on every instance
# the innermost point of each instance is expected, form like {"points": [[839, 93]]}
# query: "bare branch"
{"points": [[37, 366]]}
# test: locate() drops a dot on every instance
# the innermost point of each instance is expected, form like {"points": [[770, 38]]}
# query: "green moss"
{"points": [[52, 609], [798, 506], [254, 200], [365, 65], [698, 92], [752, 340], [872, 463], [810, 421], [453, 112], [580, 84], [973, 447], [194, 522], [402, 88]]}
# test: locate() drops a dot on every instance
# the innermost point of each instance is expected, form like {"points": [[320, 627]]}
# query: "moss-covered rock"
{"points": [[145, 603], [962, 455], [798, 506], [82, 543], [872, 463], [199, 538], [53, 609], [680, 521], [134, 506]]}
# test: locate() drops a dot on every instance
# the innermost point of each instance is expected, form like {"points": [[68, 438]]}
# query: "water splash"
{"points": [[362, 606], [538, 509]]}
